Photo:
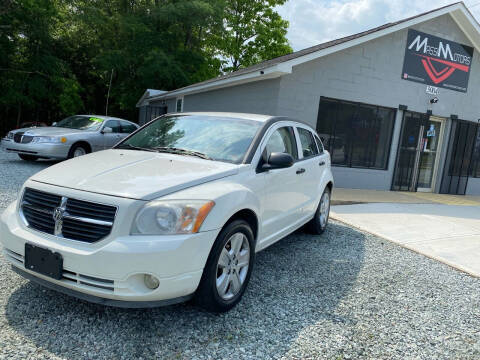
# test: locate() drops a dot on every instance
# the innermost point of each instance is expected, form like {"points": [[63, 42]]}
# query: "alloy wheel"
{"points": [[232, 266], [79, 152], [324, 209]]}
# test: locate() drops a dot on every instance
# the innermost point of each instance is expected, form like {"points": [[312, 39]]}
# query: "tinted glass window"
{"points": [[128, 128], [80, 122], [309, 148], [282, 141], [114, 125], [475, 172], [356, 135], [222, 139]]}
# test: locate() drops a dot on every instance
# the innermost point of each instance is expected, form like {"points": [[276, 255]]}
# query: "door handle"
{"points": [[321, 163], [300, 171]]}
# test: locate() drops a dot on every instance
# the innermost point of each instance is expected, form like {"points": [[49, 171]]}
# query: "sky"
{"points": [[315, 21]]}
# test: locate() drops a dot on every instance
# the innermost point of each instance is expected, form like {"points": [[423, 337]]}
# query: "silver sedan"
{"points": [[74, 136]]}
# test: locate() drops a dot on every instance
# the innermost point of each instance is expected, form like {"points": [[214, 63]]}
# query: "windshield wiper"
{"points": [[179, 151], [131, 147]]}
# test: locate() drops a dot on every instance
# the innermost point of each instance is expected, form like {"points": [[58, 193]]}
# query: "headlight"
{"points": [[171, 217], [48, 139]]}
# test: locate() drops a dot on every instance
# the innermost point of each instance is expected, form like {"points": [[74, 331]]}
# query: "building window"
{"points": [[355, 134], [475, 169], [179, 105]]}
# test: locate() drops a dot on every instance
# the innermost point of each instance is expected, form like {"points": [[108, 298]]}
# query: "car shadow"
{"points": [[295, 284], [40, 163]]}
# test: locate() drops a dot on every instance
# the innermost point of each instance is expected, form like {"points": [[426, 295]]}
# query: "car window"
{"points": [[282, 141], [220, 138], [115, 125], [319, 144], [127, 127], [309, 148], [80, 122]]}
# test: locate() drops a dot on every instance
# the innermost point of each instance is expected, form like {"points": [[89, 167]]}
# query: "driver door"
{"points": [[282, 197], [111, 138]]}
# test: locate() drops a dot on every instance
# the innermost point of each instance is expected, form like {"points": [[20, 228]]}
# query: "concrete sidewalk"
{"points": [[447, 233], [343, 196]]}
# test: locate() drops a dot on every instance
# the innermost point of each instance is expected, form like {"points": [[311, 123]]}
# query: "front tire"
{"points": [[320, 221], [228, 268], [28, 157], [78, 150]]}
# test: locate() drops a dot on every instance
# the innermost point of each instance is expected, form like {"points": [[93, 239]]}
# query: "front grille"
{"points": [[17, 137], [95, 211], [20, 138], [68, 276], [86, 280], [76, 219], [14, 257], [37, 208]]}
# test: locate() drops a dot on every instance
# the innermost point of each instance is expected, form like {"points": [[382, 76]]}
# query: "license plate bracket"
{"points": [[43, 261]]}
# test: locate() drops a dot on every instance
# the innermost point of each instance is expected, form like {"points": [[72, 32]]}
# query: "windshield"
{"points": [[216, 138], [80, 122]]}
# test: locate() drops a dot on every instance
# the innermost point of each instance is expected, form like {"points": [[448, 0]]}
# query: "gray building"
{"points": [[397, 106]]}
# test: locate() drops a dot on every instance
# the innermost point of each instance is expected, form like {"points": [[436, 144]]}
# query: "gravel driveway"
{"points": [[343, 295]]}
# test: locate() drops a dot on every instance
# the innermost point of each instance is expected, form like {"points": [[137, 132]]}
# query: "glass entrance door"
{"points": [[417, 158]]}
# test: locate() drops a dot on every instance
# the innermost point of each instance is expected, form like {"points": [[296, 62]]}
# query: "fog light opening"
{"points": [[151, 281]]}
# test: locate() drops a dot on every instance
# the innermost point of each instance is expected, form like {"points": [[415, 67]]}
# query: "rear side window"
{"points": [[127, 128], [283, 141], [309, 148]]}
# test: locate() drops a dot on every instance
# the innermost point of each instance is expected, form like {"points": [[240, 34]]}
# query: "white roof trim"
{"points": [[260, 74], [467, 23], [458, 11]]}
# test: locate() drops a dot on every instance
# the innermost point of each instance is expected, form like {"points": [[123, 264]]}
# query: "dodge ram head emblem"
{"points": [[58, 214]]}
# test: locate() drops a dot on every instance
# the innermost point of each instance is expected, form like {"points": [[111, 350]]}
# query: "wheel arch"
{"points": [[330, 186], [247, 215]]}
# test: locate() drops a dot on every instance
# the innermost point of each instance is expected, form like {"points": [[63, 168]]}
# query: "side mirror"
{"points": [[107, 130], [54, 123], [278, 160]]}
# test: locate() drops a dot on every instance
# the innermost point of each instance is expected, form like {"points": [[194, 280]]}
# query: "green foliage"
{"points": [[58, 55], [253, 32]]}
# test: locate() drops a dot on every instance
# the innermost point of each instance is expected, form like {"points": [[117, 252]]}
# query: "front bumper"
{"points": [[43, 150], [112, 271]]}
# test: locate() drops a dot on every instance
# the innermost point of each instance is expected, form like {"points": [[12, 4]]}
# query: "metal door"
{"points": [[418, 152]]}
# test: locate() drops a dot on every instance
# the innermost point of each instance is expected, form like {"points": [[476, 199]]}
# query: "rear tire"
{"points": [[28, 157], [78, 150], [320, 221], [225, 276]]}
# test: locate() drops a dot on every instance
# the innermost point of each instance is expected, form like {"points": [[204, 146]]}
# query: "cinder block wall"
{"points": [[371, 73]]}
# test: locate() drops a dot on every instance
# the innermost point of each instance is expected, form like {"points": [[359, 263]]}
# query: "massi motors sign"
{"points": [[431, 60]]}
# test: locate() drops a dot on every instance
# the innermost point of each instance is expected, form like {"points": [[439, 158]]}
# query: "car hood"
{"points": [[49, 131], [134, 174]]}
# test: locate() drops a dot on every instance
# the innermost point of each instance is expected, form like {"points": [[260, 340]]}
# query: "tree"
{"points": [[34, 78], [148, 44], [253, 32], [58, 55]]}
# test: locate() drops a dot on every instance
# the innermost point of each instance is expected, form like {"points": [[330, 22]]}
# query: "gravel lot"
{"points": [[344, 295]]}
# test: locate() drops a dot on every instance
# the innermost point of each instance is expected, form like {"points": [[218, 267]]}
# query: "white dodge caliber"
{"points": [[175, 211]]}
